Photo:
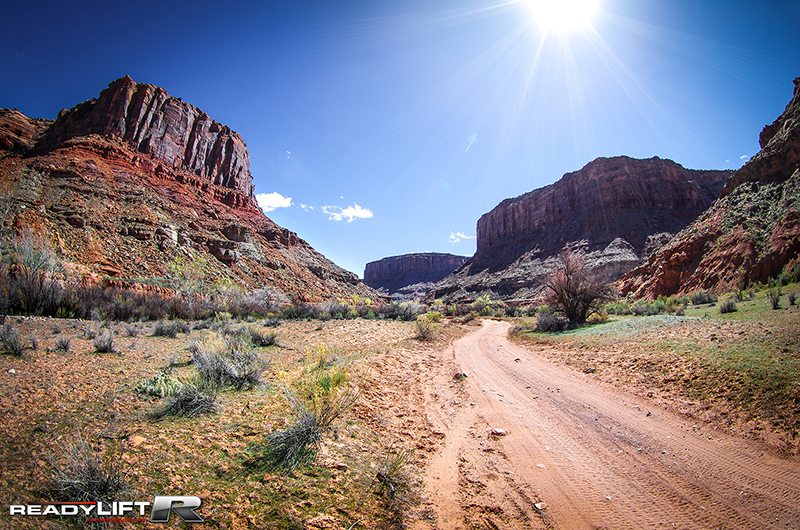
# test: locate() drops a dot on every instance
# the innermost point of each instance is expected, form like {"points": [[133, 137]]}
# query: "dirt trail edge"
{"points": [[531, 444]]}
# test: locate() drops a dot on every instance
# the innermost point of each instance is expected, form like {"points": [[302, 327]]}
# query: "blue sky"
{"points": [[393, 126]]}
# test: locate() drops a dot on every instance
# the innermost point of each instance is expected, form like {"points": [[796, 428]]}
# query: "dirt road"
{"points": [[569, 452]]}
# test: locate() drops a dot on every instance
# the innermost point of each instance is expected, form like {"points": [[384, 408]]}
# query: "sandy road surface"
{"points": [[597, 458]]}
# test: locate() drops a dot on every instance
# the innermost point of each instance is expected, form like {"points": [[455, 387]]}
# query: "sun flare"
{"points": [[563, 16]]}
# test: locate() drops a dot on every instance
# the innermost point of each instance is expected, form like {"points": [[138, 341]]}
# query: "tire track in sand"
{"points": [[598, 457]]}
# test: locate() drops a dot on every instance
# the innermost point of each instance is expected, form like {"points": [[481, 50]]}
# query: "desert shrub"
{"points": [[774, 296], [620, 307], [550, 322], [11, 341], [702, 297], [791, 298], [271, 322], [261, 339], [162, 385], [132, 329], [644, 308], [728, 306], [676, 305], [79, 475], [316, 406], [573, 291], [227, 361], [334, 309], [424, 328], [394, 485], [104, 342], [171, 328], [433, 316], [187, 401], [62, 344]]}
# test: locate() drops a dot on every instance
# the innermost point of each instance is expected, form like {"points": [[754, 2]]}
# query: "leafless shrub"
{"points": [[79, 475], [574, 292], [104, 342], [11, 341], [62, 344]]}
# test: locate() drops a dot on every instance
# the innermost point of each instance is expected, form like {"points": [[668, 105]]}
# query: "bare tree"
{"points": [[573, 291]]}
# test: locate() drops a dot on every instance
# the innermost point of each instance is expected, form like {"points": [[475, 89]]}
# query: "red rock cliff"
{"points": [[750, 234], [396, 272], [177, 133]]}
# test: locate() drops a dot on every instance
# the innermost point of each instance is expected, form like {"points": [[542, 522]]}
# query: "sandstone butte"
{"points": [[127, 183], [750, 234], [617, 210], [395, 274]]}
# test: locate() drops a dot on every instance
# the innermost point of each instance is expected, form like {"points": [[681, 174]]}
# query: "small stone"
{"points": [[12, 371], [497, 432], [541, 506]]}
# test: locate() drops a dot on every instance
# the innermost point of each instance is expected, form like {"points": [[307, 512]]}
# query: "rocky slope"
{"points": [[750, 234], [410, 275], [134, 182], [617, 210]]}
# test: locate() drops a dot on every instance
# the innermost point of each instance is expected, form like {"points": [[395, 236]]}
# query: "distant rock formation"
{"points": [[616, 210], [410, 275], [128, 183], [155, 123], [750, 234]]}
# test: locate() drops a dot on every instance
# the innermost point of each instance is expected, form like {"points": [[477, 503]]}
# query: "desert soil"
{"points": [[527, 443]]}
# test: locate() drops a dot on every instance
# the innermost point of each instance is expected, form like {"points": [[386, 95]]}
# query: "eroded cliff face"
{"points": [[155, 123], [616, 210], [750, 234], [410, 274], [127, 184]]}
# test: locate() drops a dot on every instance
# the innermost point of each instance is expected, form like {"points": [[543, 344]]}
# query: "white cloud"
{"points": [[744, 157], [270, 201], [306, 207], [350, 213], [455, 237]]}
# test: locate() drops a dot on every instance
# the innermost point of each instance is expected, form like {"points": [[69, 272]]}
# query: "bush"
{"points": [[227, 361], [62, 344], [164, 328], [296, 445], [701, 297], [162, 385], [132, 329], [104, 342], [728, 306], [11, 341], [774, 296], [549, 322], [791, 298], [425, 329], [78, 475], [260, 339], [188, 401], [573, 291]]}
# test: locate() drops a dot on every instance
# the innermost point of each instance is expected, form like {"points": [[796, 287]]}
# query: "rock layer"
{"points": [[394, 273], [130, 184], [750, 234], [155, 123], [616, 210]]}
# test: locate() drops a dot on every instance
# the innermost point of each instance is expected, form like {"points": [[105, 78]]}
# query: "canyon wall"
{"points": [[391, 275]]}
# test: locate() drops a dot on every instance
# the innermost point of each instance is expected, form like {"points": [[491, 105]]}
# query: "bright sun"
{"points": [[563, 15]]}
